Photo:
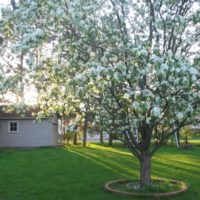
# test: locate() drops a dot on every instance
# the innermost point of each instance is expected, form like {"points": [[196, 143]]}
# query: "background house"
{"points": [[18, 130]]}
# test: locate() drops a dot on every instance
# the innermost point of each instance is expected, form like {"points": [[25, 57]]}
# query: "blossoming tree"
{"points": [[142, 65]]}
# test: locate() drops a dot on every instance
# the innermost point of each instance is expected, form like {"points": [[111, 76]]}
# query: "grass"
{"points": [[76, 173]]}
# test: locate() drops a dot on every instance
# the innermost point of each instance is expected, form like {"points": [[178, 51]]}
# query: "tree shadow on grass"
{"points": [[80, 173], [171, 158], [120, 160], [57, 174], [169, 165], [124, 166], [174, 169]]}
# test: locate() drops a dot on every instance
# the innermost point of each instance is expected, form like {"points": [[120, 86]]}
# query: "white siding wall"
{"points": [[30, 134]]}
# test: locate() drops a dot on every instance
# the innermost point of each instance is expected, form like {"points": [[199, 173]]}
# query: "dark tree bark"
{"points": [[178, 138], [145, 169], [101, 136], [85, 130], [142, 151], [186, 140], [110, 141], [1, 40], [75, 138]]}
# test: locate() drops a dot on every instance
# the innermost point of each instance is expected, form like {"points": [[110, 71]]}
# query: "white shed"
{"points": [[26, 131]]}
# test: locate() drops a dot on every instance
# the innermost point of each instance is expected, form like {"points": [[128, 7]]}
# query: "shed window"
{"points": [[13, 127]]}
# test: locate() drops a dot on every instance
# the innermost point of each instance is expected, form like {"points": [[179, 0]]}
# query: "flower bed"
{"points": [[159, 188]]}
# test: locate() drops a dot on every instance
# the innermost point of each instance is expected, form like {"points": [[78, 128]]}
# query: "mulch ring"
{"points": [[109, 187]]}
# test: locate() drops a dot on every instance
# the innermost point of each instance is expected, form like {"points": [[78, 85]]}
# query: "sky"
{"points": [[4, 3]]}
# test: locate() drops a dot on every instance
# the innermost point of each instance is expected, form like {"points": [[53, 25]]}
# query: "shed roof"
{"points": [[29, 113]]}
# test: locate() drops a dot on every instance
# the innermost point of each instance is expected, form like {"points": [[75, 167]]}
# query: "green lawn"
{"points": [[78, 173]]}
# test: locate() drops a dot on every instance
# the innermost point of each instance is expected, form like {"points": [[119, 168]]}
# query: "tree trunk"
{"points": [[145, 169], [110, 142], [186, 140], [20, 94], [178, 137], [101, 136], [85, 130], [75, 138]]}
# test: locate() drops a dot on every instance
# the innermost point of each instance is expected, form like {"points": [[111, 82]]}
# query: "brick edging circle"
{"points": [[108, 187]]}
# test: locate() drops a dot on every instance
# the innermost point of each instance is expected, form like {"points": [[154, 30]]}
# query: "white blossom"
{"points": [[156, 111], [180, 115]]}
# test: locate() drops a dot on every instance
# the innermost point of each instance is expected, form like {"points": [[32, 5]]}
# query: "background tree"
{"points": [[13, 58]]}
